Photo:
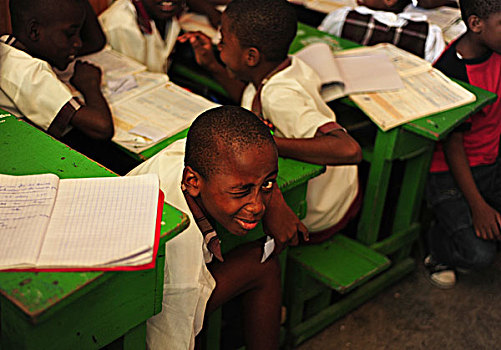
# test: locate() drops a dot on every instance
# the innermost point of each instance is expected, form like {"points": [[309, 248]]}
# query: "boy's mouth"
{"points": [[167, 6], [247, 225]]}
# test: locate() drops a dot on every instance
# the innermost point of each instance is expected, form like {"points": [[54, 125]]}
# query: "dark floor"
{"points": [[413, 314]]}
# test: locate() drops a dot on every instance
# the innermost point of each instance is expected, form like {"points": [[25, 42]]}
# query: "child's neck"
{"points": [[470, 47], [262, 72]]}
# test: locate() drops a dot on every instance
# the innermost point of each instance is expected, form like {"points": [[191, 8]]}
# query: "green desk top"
{"points": [[27, 150]]}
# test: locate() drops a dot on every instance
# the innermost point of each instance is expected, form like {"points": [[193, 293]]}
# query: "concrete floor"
{"points": [[413, 314]]}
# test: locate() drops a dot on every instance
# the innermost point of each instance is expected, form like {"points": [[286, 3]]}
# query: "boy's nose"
{"points": [[256, 207]]}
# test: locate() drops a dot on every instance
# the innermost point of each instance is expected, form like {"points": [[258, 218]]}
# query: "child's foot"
{"points": [[440, 275]]}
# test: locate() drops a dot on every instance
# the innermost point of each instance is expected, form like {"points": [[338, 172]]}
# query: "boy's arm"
{"points": [[92, 35], [206, 8], [334, 148], [94, 118], [281, 223], [204, 54], [486, 220]]}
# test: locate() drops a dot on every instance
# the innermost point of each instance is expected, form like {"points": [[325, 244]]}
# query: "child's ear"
{"points": [[33, 30], [192, 181], [475, 24], [252, 56]]}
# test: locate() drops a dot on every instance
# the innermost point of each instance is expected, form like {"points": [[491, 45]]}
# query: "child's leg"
{"points": [[260, 287], [452, 240]]}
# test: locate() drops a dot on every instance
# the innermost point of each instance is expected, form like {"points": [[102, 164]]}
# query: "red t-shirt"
{"points": [[483, 129]]}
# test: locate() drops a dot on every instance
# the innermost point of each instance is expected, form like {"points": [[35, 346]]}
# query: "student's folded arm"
{"points": [[486, 220], [282, 223], [92, 35], [94, 118], [204, 55], [297, 116], [335, 148]]}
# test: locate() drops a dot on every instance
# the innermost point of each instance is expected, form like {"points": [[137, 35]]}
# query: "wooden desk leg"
{"points": [[135, 338], [377, 186], [411, 195]]}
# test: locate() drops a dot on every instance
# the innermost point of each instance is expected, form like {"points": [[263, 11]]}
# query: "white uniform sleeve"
{"points": [[334, 21]]}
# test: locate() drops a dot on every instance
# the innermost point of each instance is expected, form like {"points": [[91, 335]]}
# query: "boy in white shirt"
{"points": [[379, 21], [224, 172], [51, 34], [284, 93]]}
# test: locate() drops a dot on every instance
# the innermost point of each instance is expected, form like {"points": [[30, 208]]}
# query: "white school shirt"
{"points": [[434, 44], [29, 87], [292, 103], [119, 23], [188, 283]]}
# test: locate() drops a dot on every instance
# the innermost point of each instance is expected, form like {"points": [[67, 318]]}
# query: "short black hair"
{"points": [[220, 130], [21, 11], [481, 8], [268, 25]]}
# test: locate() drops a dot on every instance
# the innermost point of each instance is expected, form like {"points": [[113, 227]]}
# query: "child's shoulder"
{"points": [[121, 12]]}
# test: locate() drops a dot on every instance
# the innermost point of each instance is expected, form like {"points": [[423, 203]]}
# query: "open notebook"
{"points": [[147, 108], [110, 223], [344, 75]]}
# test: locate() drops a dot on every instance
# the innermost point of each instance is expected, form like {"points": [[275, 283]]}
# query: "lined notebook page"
{"points": [[99, 220], [26, 204]]}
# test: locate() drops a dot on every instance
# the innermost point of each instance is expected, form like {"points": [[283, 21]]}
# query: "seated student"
{"points": [[223, 173], [464, 186], [284, 92], [52, 33], [146, 30], [381, 21]]}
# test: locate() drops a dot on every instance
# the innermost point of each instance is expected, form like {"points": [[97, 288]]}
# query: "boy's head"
{"points": [[395, 6], [162, 10], [483, 17], [253, 30], [49, 29], [231, 165]]}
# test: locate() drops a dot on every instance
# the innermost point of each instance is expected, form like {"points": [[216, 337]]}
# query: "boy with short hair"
{"points": [[227, 177], [52, 33], [146, 30], [382, 21], [284, 92], [464, 186]]}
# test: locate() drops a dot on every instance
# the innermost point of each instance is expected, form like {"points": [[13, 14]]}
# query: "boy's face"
{"points": [[491, 32], [59, 39], [237, 196], [162, 10], [231, 53]]}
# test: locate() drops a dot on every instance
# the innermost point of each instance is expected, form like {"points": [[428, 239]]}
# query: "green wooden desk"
{"points": [[320, 289], [70, 310]]}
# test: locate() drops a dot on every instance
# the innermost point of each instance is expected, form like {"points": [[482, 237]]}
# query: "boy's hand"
{"points": [[487, 222], [202, 45], [86, 77], [281, 223]]}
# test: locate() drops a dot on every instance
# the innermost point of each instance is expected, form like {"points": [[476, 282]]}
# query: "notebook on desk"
{"points": [[146, 107], [52, 224]]}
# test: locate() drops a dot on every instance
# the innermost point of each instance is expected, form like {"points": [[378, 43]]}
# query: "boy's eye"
{"points": [[240, 194], [268, 185]]}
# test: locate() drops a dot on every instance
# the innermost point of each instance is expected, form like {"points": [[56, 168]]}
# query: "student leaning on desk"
{"points": [[224, 172], [382, 21], [147, 30], [284, 93], [52, 33], [464, 185]]}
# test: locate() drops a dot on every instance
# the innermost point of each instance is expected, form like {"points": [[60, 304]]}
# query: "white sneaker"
{"points": [[440, 275]]}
